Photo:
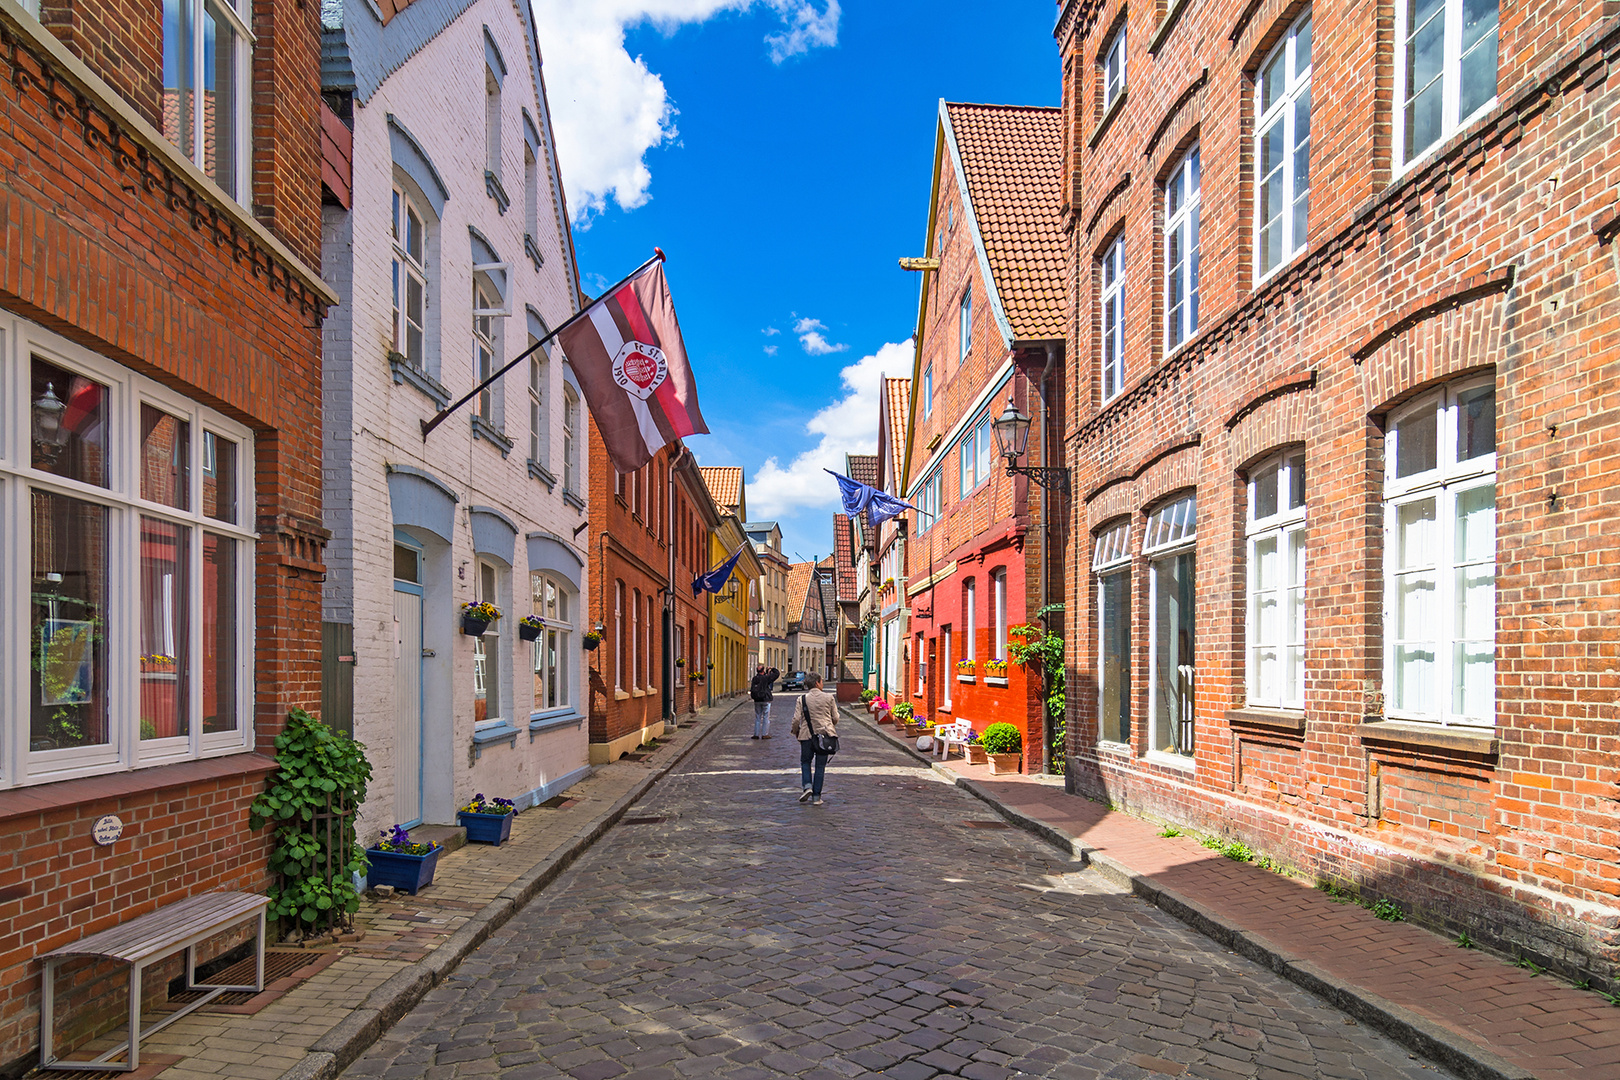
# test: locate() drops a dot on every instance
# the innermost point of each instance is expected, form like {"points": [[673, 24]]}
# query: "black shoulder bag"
{"points": [[822, 744]]}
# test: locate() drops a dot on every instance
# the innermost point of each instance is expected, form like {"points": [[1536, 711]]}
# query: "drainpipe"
{"points": [[1046, 554]]}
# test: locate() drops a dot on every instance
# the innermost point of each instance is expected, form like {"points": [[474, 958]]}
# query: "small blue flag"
{"points": [[879, 505], [716, 579]]}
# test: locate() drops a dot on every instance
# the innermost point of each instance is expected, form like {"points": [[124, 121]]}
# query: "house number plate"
{"points": [[107, 829]]}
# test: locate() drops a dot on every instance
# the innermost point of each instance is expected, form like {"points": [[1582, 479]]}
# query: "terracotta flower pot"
{"points": [[1005, 763], [976, 754]]}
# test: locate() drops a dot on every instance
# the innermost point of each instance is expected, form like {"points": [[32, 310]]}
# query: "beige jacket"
{"points": [[822, 709]]}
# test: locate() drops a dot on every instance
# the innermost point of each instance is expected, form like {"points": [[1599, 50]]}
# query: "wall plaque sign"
{"points": [[107, 829]]}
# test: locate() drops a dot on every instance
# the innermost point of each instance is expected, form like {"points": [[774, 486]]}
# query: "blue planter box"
{"points": [[486, 828], [404, 872]]}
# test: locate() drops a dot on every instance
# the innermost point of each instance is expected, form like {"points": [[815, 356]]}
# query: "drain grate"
{"points": [[986, 824], [278, 964], [558, 802], [641, 821]]}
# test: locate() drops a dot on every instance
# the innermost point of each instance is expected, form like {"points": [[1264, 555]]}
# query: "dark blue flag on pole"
{"points": [[716, 579], [880, 505]]}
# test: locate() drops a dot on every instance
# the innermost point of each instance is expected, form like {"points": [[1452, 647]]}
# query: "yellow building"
{"points": [[731, 610]]}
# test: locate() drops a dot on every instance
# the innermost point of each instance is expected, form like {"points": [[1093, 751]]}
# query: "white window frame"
{"points": [[1111, 69], [970, 598], [964, 326], [1447, 483], [1451, 14], [488, 661], [1282, 111], [998, 590], [570, 439], [618, 636], [1111, 556], [492, 122], [407, 268], [241, 25], [126, 392], [1282, 530], [635, 639], [928, 391], [1181, 207], [1112, 271], [947, 669], [539, 419], [1171, 532], [559, 634], [486, 349]]}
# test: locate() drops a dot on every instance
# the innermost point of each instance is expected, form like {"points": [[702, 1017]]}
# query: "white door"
{"points": [[408, 706]]}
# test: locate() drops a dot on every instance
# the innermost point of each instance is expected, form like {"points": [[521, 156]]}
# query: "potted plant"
{"points": [[680, 661], [591, 640], [966, 667], [1004, 745], [396, 861], [476, 615], [995, 669], [487, 822], [867, 697], [902, 715], [529, 627], [975, 751]]}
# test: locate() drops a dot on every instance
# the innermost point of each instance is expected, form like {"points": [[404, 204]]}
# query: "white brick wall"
{"points": [[371, 422]]}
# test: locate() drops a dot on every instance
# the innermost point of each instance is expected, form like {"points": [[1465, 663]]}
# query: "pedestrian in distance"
{"points": [[815, 725], [760, 690]]}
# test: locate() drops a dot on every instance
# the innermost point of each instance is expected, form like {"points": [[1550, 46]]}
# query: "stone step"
{"points": [[451, 836]]}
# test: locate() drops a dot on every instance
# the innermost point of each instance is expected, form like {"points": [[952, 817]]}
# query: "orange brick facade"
{"points": [[111, 243], [1491, 259]]}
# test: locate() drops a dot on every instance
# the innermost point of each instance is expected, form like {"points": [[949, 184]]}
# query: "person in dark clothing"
{"points": [[760, 690]]}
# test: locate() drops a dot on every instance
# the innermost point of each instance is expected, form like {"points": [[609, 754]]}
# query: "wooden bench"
{"points": [[140, 943], [955, 734]]}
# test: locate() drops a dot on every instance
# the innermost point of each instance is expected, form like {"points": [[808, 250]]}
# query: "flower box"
{"points": [[529, 631], [966, 667], [485, 828], [976, 754], [1006, 763], [474, 627], [995, 669], [590, 641], [404, 872]]}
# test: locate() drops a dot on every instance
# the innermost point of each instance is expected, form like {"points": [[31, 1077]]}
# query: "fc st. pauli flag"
{"points": [[626, 350]]}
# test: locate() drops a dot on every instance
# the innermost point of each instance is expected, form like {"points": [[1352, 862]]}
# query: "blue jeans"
{"points": [[807, 757], [762, 718]]}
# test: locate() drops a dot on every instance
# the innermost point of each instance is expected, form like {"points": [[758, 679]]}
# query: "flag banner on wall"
{"points": [[627, 351], [880, 505], [716, 579]]}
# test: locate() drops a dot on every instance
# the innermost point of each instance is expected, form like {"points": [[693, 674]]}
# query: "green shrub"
{"points": [[1390, 911], [867, 695], [903, 711], [1001, 739], [1237, 851], [1169, 831]]}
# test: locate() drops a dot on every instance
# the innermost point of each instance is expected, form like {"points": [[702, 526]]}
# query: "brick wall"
{"points": [[1482, 257]]}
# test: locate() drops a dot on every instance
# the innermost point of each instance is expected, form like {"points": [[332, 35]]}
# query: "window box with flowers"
{"points": [[967, 670], [487, 822], [530, 626], [995, 672], [398, 862], [476, 615]]}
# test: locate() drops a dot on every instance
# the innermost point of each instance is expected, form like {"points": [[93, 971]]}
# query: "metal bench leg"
{"points": [[135, 1016], [47, 1019]]}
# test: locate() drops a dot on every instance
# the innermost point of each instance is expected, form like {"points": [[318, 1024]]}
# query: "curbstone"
{"points": [[1456, 1052], [387, 1004]]}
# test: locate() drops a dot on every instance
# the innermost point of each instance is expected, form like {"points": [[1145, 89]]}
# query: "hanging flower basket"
{"points": [[476, 617], [590, 641], [473, 627], [529, 627]]}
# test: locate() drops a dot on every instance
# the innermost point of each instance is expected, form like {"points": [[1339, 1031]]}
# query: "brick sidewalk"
{"points": [[1474, 1012], [411, 943]]}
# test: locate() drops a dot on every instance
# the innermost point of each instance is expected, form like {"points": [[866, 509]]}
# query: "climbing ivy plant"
{"points": [[1033, 646], [310, 803]]}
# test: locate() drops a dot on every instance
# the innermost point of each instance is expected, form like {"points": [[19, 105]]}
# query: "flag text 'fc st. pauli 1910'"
{"points": [[627, 352]]}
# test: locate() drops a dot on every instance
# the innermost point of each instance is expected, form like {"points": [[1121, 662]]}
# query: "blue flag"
{"points": [[716, 579], [879, 505]]}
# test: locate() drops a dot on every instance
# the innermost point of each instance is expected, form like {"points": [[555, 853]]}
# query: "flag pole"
{"points": [[444, 414], [669, 590]]}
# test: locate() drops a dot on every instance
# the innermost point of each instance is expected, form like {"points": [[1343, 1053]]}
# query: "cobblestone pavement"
{"points": [[897, 931]]}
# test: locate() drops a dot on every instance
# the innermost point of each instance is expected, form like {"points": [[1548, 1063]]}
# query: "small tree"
{"points": [[1043, 651]]}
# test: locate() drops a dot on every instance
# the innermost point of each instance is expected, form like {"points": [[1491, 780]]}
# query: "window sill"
{"points": [[552, 721], [532, 250], [483, 429], [1106, 122], [1166, 24], [492, 733], [620, 695], [573, 500], [1288, 720], [1481, 741], [53, 795], [409, 374], [992, 680], [1174, 761], [967, 678], [492, 184], [540, 473], [638, 692]]}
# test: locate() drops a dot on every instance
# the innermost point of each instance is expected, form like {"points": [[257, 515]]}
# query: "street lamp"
{"points": [[1012, 438]]}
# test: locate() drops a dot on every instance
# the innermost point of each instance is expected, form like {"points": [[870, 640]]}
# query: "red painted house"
{"points": [[981, 556]]}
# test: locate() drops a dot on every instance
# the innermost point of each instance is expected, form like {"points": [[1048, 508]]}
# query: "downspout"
{"points": [[1046, 554]]}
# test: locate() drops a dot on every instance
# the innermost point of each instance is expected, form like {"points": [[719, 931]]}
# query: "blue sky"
{"points": [[779, 151]]}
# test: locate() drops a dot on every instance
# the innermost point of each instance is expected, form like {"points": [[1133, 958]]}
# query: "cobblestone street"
{"points": [[725, 929]]}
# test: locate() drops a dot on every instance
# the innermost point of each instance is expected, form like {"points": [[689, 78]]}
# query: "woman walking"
{"points": [[816, 714]]}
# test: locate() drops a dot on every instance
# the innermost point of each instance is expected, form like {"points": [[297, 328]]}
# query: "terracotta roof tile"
{"points": [[862, 467], [800, 577], [898, 393], [844, 552], [1012, 158], [725, 483]]}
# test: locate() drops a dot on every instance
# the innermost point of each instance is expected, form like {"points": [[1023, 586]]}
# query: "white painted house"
{"points": [[452, 258]]}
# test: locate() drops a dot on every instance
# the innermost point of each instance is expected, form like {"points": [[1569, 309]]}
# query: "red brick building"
{"points": [[990, 328], [1344, 436], [160, 469], [633, 524]]}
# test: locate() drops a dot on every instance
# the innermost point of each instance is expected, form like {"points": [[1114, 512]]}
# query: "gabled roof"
{"points": [[826, 575], [844, 553], [725, 483], [862, 467], [892, 434], [801, 575], [1009, 158]]}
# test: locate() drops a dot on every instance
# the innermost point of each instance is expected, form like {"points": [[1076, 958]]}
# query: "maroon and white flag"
{"points": [[626, 350]]}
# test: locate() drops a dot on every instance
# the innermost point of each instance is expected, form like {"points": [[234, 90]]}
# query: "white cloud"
{"points": [[770, 331], [770, 350], [847, 426], [814, 341], [609, 109]]}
